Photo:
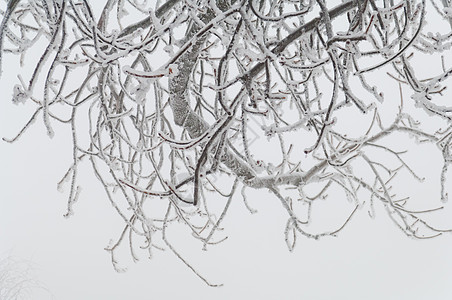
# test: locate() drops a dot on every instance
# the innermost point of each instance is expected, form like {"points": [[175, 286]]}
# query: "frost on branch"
{"points": [[191, 101], [19, 95]]}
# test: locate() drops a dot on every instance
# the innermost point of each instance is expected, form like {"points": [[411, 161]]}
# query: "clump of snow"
{"points": [[169, 49], [140, 90], [173, 70], [19, 95]]}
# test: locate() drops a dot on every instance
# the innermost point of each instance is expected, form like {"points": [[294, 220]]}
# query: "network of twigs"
{"points": [[174, 108]]}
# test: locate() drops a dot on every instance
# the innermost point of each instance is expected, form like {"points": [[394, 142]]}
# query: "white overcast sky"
{"points": [[370, 259]]}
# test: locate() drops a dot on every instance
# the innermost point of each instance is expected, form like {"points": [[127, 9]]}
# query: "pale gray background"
{"points": [[371, 259]]}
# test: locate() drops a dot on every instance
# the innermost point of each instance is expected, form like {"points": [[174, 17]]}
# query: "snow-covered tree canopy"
{"points": [[195, 103]]}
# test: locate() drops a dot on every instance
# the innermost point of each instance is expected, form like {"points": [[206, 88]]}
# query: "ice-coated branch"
{"points": [[184, 104]]}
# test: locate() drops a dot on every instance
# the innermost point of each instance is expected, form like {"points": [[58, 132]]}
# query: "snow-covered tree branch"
{"points": [[173, 109]]}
